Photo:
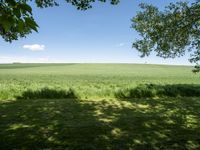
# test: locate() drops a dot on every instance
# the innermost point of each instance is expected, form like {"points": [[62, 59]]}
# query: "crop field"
{"points": [[89, 80], [99, 106]]}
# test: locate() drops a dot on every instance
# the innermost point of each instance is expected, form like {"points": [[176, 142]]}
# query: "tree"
{"points": [[16, 18], [169, 33]]}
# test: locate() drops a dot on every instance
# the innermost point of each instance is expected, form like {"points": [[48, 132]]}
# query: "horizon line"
{"points": [[96, 63]]}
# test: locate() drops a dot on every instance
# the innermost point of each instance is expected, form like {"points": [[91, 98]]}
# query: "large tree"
{"points": [[169, 33]]}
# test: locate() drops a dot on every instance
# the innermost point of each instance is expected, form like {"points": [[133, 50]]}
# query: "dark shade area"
{"points": [[165, 123], [153, 90]]}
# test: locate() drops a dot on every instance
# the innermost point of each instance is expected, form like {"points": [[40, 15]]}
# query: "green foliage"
{"points": [[153, 90], [170, 33], [47, 93], [16, 18], [85, 4]]}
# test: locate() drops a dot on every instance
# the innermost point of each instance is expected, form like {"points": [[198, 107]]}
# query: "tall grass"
{"points": [[153, 90], [141, 91], [47, 93]]}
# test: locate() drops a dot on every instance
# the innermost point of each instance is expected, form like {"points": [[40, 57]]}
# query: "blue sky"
{"points": [[99, 35]]}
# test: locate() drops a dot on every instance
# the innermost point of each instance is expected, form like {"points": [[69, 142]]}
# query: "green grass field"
{"points": [[88, 80], [99, 106]]}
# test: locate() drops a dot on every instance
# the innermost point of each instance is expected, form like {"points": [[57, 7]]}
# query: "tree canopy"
{"points": [[169, 33]]}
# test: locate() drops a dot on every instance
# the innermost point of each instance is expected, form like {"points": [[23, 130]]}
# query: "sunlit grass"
{"points": [[92, 81]]}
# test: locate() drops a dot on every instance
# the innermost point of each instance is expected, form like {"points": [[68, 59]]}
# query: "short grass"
{"points": [[99, 106]]}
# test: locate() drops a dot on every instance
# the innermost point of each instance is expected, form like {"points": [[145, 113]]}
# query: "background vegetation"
{"points": [[90, 80]]}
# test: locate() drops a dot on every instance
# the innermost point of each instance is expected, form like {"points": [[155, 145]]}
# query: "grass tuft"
{"points": [[47, 93], [153, 90]]}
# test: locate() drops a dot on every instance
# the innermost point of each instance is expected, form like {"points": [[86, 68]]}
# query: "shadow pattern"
{"points": [[97, 125]]}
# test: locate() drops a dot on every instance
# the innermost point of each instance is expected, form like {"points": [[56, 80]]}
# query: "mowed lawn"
{"points": [[36, 112]]}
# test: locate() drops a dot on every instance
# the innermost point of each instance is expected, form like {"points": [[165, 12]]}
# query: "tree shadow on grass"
{"points": [[72, 123], [48, 123], [157, 124]]}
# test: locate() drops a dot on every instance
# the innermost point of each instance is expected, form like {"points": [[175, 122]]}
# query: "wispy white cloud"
{"points": [[121, 44], [34, 47]]}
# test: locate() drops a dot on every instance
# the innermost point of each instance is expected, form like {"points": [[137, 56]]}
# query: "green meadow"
{"points": [[99, 106], [89, 80]]}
